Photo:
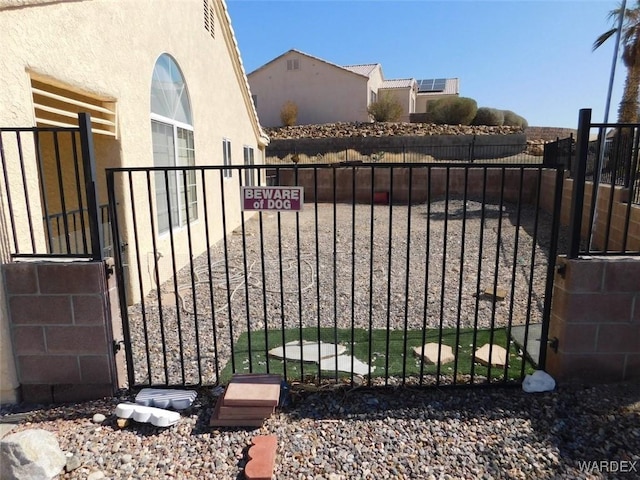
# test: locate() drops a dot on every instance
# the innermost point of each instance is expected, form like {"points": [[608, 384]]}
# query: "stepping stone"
{"points": [[252, 395], [166, 398], [499, 294], [431, 353], [342, 363], [307, 351], [262, 458], [498, 355]]}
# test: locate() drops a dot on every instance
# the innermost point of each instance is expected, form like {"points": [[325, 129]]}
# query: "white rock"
{"points": [[342, 363], [97, 475], [31, 454], [538, 381], [99, 418]]}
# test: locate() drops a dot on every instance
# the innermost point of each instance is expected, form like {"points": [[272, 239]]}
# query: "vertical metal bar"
{"points": [[245, 270], [26, 194], [426, 275], [551, 266], [474, 343], [193, 273], [174, 271], [595, 192], [74, 148], [388, 332], [156, 255], [514, 272], [122, 291], [226, 268], [495, 271], [282, 305], [299, 275], [335, 273], [577, 198], [264, 286], [205, 208], [534, 240], [632, 181], [89, 168], [461, 273], [612, 191], [444, 269], [371, 257], [7, 186], [353, 266], [43, 190], [406, 286], [63, 206], [318, 303], [143, 308]]}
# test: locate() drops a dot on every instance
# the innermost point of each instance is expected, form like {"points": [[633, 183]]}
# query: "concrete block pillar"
{"points": [[595, 318]]}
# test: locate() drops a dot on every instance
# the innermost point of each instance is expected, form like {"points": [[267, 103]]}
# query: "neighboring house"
{"points": [[164, 84], [325, 92]]}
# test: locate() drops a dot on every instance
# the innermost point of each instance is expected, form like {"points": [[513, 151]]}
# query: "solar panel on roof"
{"points": [[432, 85]]}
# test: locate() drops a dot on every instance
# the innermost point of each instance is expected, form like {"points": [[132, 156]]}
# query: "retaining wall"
{"points": [[442, 147]]}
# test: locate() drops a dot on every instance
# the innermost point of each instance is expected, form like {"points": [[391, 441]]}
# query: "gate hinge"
{"points": [[117, 346]]}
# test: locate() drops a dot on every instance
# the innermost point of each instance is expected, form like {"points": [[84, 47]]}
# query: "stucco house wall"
{"points": [[405, 96], [108, 50], [311, 83]]}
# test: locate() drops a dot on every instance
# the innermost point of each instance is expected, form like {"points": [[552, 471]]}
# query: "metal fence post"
{"points": [[89, 169], [577, 199]]}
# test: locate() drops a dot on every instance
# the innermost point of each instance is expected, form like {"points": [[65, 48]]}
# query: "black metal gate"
{"points": [[390, 274]]}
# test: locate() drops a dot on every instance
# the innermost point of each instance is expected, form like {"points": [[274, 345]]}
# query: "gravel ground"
{"points": [[421, 266], [367, 434]]}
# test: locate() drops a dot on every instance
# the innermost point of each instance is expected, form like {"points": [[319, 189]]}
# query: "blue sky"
{"points": [[533, 57]]}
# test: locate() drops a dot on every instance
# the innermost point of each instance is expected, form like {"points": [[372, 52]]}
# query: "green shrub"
{"points": [[289, 113], [386, 109], [489, 116], [512, 119], [454, 110]]}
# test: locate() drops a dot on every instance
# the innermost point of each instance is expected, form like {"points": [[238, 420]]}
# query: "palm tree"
{"points": [[630, 45]]}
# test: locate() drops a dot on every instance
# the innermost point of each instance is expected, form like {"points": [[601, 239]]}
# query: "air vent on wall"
{"points": [[209, 20], [58, 106]]}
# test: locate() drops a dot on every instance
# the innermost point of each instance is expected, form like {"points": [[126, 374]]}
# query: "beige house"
{"points": [[164, 84], [325, 92]]}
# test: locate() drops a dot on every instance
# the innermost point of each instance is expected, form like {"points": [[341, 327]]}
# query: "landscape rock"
{"points": [[538, 381], [73, 462], [31, 455], [383, 129], [98, 418]]}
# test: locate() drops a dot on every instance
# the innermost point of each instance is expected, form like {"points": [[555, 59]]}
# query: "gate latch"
{"points": [[117, 346], [554, 343]]}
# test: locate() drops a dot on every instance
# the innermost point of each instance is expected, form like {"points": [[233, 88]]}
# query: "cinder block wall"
{"points": [[595, 316], [61, 330]]}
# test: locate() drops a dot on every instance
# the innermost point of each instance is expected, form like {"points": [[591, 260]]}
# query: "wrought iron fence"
{"points": [[607, 184], [49, 173], [390, 274]]}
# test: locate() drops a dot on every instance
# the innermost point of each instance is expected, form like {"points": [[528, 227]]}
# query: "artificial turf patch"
{"points": [[391, 353]]}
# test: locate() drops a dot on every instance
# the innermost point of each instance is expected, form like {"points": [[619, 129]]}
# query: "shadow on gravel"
{"points": [[585, 424]]}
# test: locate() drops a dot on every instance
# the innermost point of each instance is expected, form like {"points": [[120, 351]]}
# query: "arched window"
{"points": [[172, 136]]}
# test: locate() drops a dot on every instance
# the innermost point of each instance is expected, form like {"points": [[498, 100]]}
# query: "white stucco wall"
{"points": [[323, 92], [108, 49]]}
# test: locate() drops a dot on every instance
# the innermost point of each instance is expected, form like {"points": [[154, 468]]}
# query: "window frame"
{"points": [[227, 160], [249, 173]]}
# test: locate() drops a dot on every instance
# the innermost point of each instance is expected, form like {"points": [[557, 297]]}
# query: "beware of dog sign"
{"points": [[281, 199]]}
